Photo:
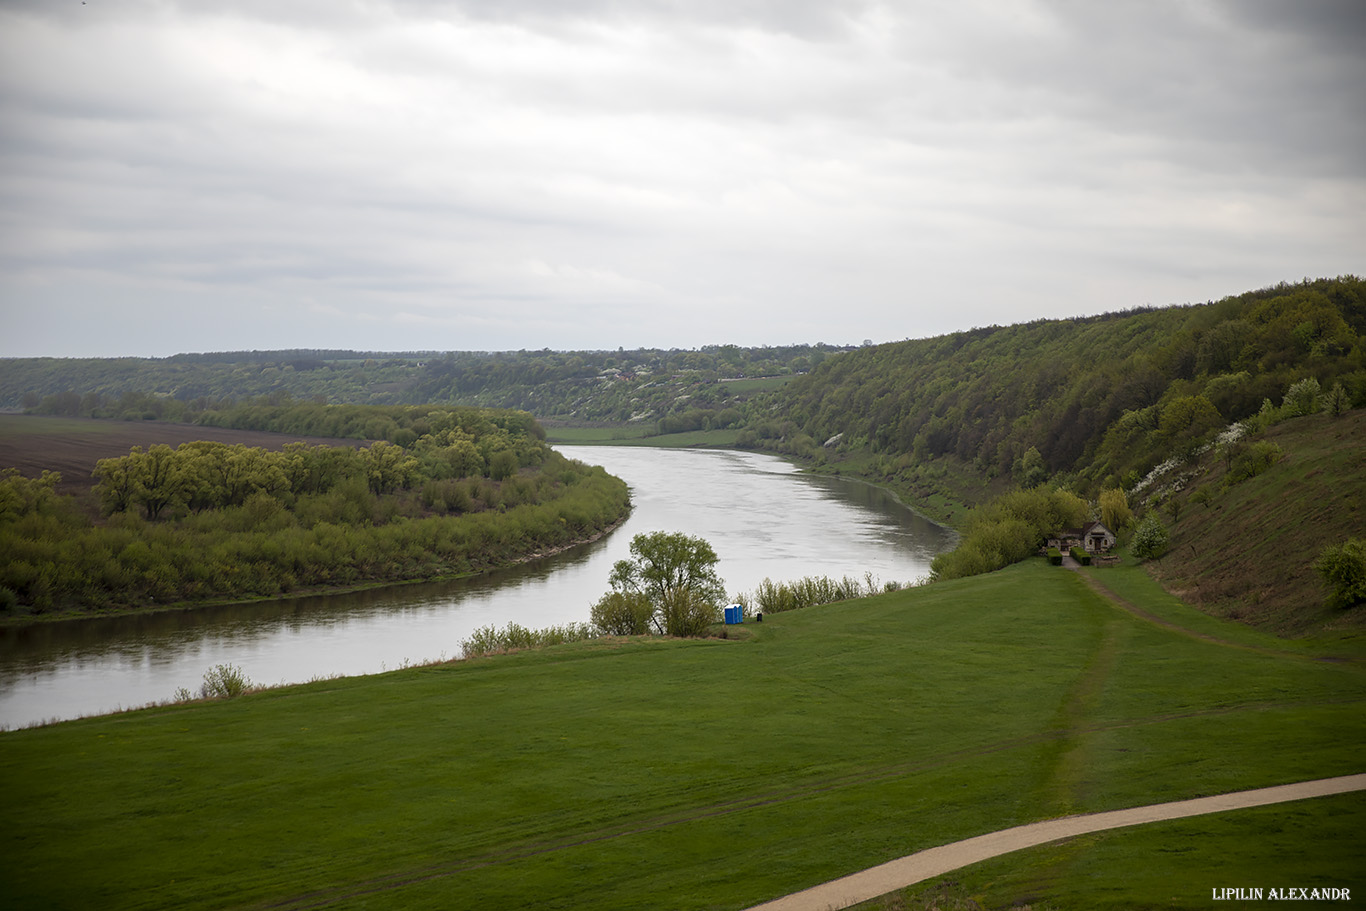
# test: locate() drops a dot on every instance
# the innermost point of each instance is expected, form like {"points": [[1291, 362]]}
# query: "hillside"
{"points": [[665, 390], [1244, 549], [1093, 402]]}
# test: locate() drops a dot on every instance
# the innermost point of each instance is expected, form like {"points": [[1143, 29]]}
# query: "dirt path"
{"points": [[906, 871]]}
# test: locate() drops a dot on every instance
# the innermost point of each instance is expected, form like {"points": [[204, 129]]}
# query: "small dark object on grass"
{"points": [[759, 617]]}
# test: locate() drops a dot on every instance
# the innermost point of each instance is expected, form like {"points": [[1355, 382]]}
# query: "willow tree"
{"points": [[677, 574]]}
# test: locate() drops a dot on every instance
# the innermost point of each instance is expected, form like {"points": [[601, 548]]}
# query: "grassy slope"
{"points": [[1249, 554], [690, 774]]}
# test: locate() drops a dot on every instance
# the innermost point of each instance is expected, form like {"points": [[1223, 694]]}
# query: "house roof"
{"points": [[1088, 528]]}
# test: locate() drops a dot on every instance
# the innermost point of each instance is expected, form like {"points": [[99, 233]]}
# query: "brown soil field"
{"points": [[72, 446]]}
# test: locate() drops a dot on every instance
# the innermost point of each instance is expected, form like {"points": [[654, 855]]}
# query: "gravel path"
{"points": [[897, 874]]}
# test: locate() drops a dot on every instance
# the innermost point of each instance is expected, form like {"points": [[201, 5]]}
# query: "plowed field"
{"points": [[72, 446]]}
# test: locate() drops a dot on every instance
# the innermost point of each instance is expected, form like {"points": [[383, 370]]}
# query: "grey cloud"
{"points": [[596, 173]]}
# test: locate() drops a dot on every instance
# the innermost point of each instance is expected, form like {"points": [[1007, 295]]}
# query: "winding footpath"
{"points": [[873, 882], [907, 871]]}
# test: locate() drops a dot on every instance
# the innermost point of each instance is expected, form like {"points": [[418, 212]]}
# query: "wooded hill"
{"points": [[1095, 402], [668, 390]]}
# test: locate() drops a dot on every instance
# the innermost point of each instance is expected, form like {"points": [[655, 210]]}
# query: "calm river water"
{"points": [[763, 518]]}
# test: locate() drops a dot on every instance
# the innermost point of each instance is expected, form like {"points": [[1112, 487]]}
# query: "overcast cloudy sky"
{"points": [[503, 174]]}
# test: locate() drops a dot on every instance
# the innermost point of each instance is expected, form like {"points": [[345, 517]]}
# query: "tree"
{"points": [[1336, 401], [388, 467], [1302, 398], [1151, 538], [117, 481], [1343, 569], [1187, 418], [1030, 470], [676, 574], [160, 480], [1114, 509]]}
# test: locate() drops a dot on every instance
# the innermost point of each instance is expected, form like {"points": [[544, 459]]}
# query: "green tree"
{"points": [[1187, 418], [1302, 397], [1336, 401], [1343, 570], [117, 481], [388, 467], [1114, 509], [1150, 538], [1030, 470], [676, 573], [160, 479]]}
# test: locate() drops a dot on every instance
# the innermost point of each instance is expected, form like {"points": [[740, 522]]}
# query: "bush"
{"points": [[1343, 569], [1081, 556], [622, 614], [1250, 461], [1054, 556], [1151, 538], [490, 640], [224, 681], [686, 612], [775, 597]]}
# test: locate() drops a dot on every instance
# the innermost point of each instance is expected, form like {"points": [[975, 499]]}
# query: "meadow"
{"points": [[718, 773]]}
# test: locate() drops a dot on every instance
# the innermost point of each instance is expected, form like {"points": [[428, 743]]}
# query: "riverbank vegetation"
{"points": [[776, 597], [211, 520], [696, 773]]}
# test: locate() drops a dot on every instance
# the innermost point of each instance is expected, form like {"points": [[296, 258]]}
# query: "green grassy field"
{"points": [[714, 773]]}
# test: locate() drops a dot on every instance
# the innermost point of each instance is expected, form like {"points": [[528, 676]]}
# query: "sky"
{"points": [[416, 175]]}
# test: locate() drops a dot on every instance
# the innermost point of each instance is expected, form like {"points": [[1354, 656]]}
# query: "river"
{"points": [[763, 518]]}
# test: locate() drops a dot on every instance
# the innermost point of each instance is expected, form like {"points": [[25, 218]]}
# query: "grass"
{"points": [[695, 774], [1312, 843], [1281, 520]]}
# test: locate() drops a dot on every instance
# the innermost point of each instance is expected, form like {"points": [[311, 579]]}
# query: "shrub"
{"points": [[224, 681], [1248, 462], [1054, 556], [1151, 537], [686, 612], [622, 614], [1343, 569], [775, 597], [1081, 556], [490, 640]]}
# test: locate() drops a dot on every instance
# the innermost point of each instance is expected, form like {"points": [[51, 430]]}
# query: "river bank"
{"points": [[19, 621]]}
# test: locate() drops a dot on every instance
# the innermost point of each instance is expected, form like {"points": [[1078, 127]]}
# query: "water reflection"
{"points": [[763, 518]]}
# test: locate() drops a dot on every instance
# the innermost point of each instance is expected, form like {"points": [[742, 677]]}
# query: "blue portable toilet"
{"points": [[735, 613]]}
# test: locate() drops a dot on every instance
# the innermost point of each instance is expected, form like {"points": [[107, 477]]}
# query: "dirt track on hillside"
{"points": [[907, 871], [72, 446]]}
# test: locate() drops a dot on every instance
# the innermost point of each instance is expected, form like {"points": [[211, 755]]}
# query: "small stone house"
{"points": [[1093, 537]]}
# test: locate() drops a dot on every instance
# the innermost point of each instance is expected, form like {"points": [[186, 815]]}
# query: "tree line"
{"points": [[1094, 401], [581, 386], [214, 520]]}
